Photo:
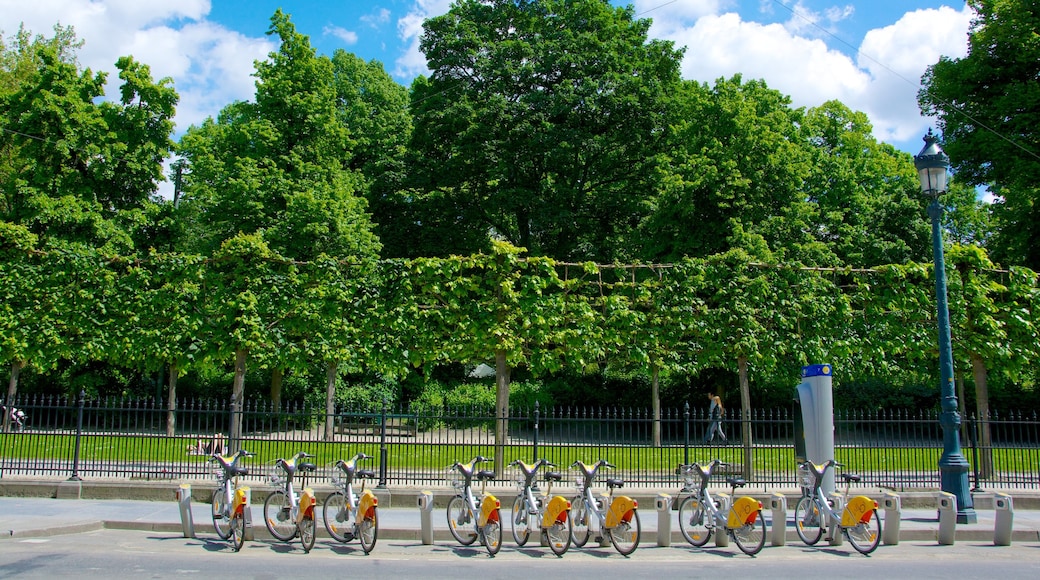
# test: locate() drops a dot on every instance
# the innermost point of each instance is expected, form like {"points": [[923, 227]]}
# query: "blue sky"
{"points": [[869, 54]]}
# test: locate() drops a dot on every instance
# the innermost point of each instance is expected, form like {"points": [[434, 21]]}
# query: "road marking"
{"points": [[35, 541]]}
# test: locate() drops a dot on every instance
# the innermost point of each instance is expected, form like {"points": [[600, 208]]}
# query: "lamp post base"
{"points": [[953, 478]]}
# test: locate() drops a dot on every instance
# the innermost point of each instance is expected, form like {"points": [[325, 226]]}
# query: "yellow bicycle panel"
{"points": [[744, 511], [366, 506], [307, 501], [241, 494], [556, 511], [488, 509], [620, 510], [859, 509]]}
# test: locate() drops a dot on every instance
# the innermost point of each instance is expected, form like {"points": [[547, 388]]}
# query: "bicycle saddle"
{"points": [[612, 483], [237, 471], [851, 477], [306, 467], [366, 473], [553, 476], [485, 475], [736, 481]]}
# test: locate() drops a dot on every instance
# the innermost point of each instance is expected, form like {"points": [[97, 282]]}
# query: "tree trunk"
{"points": [[501, 410], [330, 399], [12, 390], [656, 395], [238, 391], [171, 403], [276, 388], [745, 417], [985, 443]]}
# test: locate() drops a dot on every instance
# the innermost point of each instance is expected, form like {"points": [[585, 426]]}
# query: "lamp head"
{"points": [[931, 164]]}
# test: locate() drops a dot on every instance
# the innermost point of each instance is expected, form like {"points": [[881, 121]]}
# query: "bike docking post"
{"points": [[247, 515], [778, 527], [893, 506], [184, 503], [1005, 514], [837, 502], [725, 503], [425, 501], [664, 519], [947, 518], [601, 536]]}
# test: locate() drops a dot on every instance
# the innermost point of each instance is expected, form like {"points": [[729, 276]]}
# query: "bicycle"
{"points": [[620, 520], [348, 516], [286, 514], [700, 515], [484, 512], [229, 499], [859, 521], [551, 512]]}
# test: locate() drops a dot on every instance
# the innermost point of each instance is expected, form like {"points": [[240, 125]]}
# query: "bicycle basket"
{"points": [[689, 477], [455, 478], [275, 475], [805, 479]]}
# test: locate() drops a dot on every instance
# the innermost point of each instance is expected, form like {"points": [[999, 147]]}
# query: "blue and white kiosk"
{"points": [[816, 399]]}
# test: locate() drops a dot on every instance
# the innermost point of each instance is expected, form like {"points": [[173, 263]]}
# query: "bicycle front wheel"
{"points": [[865, 536], [750, 537], [221, 513], [808, 520], [580, 522], [308, 527], [339, 518], [625, 535], [238, 531], [368, 531], [492, 532], [278, 516], [559, 534], [459, 520], [693, 521], [521, 520]]}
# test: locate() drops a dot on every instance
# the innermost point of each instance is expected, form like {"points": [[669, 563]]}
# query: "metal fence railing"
{"points": [[143, 439]]}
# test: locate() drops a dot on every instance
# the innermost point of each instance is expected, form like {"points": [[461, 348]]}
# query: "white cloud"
{"points": [[347, 36], [412, 62], [377, 18]]}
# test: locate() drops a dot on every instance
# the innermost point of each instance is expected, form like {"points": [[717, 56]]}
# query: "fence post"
{"points": [[79, 433], [973, 440], [537, 410], [382, 446], [686, 434]]}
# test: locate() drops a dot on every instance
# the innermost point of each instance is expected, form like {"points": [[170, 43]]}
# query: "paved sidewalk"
{"points": [[22, 517]]}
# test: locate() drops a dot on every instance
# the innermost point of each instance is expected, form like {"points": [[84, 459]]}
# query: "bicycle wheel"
{"points": [[308, 527], [751, 537], [459, 520], [492, 532], [521, 520], [278, 516], [238, 531], [625, 535], [221, 513], [368, 531], [865, 536], [339, 518], [693, 521], [808, 521], [580, 522], [559, 534]]}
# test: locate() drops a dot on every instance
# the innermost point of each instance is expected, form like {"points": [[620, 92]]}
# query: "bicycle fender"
{"points": [[620, 510], [859, 509], [241, 495], [367, 506], [489, 509], [307, 501], [744, 511], [556, 511]]}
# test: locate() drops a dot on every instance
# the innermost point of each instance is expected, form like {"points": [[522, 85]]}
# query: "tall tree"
{"points": [[541, 124], [988, 108]]}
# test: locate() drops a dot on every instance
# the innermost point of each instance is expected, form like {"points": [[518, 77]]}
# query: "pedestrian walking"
{"points": [[715, 413]]}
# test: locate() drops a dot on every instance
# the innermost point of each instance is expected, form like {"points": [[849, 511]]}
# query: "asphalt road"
{"points": [[113, 554]]}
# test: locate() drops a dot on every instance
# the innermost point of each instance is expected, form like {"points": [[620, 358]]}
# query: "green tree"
{"points": [[988, 109], [541, 124]]}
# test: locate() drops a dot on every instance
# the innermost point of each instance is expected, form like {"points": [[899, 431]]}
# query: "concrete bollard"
{"points": [[834, 537], [947, 518], [778, 531], [595, 526], [664, 519], [1004, 515], [184, 503], [247, 515], [425, 501], [893, 507], [721, 535]]}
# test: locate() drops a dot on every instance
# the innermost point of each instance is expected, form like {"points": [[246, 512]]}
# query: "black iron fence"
{"points": [[144, 439]]}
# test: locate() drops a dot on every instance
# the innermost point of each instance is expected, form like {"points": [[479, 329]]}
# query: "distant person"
{"points": [[715, 413], [215, 445]]}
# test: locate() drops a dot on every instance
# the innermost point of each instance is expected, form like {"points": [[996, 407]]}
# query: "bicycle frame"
{"points": [[550, 510], [743, 510], [856, 510], [363, 506], [858, 521], [483, 512], [620, 507]]}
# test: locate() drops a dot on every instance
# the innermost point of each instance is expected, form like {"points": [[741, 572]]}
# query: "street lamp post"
{"points": [[931, 165]]}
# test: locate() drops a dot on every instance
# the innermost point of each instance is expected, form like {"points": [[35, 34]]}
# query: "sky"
{"points": [[868, 54]]}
